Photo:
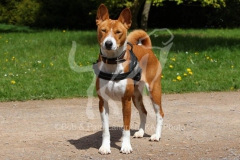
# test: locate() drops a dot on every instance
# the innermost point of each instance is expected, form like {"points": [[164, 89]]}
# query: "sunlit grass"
{"points": [[202, 60], [34, 65]]}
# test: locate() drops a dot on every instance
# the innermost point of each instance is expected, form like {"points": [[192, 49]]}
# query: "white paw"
{"points": [[104, 150], [126, 148], [154, 137], [138, 134]]}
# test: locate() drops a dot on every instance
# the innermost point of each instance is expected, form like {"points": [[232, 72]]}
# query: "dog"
{"points": [[126, 64]]}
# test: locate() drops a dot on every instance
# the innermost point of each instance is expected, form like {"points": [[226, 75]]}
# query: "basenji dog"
{"points": [[125, 65]]}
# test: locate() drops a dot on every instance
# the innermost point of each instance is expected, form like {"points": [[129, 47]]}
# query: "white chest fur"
{"points": [[112, 89]]}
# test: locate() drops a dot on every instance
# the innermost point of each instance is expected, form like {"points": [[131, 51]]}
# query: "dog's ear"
{"points": [[126, 18], [102, 14]]}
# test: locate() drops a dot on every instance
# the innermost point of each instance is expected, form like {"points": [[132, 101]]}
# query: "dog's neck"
{"points": [[113, 68]]}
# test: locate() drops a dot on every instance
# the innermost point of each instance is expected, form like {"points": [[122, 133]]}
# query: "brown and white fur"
{"points": [[113, 38]]}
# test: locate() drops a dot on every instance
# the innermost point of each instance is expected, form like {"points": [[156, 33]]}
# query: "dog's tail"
{"points": [[139, 37]]}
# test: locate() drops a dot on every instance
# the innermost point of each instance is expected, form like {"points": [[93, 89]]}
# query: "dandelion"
{"points": [[196, 53], [208, 57], [13, 82], [190, 73], [185, 74], [173, 59], [64, 31], [179, 78], [232, 66], [162, 76], [189, 70], [174, 80], [170, 66], [51, 64]]}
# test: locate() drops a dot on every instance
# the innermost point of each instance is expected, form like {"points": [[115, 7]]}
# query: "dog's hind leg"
{"points": [[138, 103], [155, 95]]}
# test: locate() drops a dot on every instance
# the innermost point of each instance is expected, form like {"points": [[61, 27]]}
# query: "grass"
{"points": [[34, 65]]}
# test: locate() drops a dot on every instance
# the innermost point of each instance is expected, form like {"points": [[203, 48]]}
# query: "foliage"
{"points": [[214, 3], [79, 14], [20, 12]]}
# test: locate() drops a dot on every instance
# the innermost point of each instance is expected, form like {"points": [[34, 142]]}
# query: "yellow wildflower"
{"points": [[179, 78], [232, 66], [64, 31], [190, 73], [173, 59], [189, 70], [13, 82], [51, 64], [170, 66], [185, 74], [162, 76], [174, 80]]}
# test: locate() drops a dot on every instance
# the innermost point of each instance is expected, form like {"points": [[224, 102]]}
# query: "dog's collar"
{"points": [[133, 73], [116, 60]]}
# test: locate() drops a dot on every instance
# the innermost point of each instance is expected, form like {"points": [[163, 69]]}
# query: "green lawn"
{"points": [[34, 64]]}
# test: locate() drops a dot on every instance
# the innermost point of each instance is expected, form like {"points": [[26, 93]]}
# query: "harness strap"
{"points": [[134, 71]]}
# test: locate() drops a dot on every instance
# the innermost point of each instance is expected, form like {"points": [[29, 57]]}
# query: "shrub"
{"points": [[19, 12]]}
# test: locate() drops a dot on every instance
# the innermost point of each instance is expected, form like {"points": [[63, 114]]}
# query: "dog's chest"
{"points": [[112, 89]]}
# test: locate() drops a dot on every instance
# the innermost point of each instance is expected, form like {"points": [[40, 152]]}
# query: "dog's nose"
{"points": [[108, 44]]}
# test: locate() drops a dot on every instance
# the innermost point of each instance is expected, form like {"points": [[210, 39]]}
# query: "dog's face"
{"points": [[112, 34]]}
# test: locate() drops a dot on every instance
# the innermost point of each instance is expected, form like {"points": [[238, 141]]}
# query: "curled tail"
{"points": [[139, 37]]}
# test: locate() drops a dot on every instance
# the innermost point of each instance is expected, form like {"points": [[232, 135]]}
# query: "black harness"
{"points": [[134, 70]]}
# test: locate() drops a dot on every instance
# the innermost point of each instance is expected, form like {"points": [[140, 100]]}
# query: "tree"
{"points": [[136, 5], [145, 13]]}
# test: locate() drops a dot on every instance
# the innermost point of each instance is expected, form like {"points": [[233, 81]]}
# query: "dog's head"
{"points": [[112, 34]]}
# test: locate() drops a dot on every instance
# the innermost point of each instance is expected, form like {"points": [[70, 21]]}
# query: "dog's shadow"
{"points": [[95, 140]]}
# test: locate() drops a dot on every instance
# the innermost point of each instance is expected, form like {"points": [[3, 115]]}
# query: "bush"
{"points": [[80, 14], [19, 12]]}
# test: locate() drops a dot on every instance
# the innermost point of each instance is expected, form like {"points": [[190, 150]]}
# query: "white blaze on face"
{"points": [[110, 38]]}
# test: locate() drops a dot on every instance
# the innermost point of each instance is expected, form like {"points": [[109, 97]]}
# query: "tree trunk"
{"points": [[135, 10], [145, 13]]}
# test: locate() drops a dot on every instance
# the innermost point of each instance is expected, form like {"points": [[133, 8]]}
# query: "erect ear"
{"points": [[102, 14], [126, 18]]}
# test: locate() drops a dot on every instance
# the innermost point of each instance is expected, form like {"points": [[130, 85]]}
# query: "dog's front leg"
{"points": [[104, 112], [126, 145]]}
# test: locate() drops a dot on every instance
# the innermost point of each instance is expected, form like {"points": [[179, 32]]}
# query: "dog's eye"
{"points": [[104, 30], [118, 32]]}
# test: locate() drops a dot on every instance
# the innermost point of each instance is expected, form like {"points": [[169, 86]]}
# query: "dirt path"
{"points": [[196, 126]]}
